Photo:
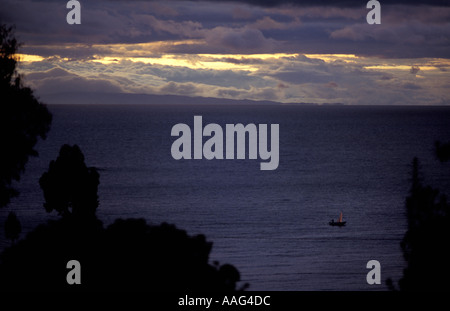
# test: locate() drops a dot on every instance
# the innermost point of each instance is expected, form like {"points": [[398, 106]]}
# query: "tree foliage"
{"points": [[69, 186], [13, 228], [426, 244], [128, 255], [23, 119]]}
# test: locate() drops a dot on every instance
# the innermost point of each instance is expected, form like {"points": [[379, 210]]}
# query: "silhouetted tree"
{"points": [[426, 244], [442, 151], [69, 186], [22, 118], [13, 227], [129, 255]]}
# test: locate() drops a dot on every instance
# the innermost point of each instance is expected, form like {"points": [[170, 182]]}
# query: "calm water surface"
{"points": [[272, 225]]}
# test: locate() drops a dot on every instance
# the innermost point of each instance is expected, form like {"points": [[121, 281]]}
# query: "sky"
{"points": [[279, 50]]}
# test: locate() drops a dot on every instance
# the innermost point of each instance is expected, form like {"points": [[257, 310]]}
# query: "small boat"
{"points": [[338, 223]]}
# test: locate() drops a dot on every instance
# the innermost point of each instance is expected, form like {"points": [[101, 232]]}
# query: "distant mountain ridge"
{"points": [[129, 98]]}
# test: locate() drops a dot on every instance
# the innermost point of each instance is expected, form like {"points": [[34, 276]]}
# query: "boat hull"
{"points": [[337, 224]]}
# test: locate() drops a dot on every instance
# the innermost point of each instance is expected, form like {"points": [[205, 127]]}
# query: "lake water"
{"points": [[272, 225]]}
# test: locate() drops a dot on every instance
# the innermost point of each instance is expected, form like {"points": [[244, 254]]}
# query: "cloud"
{"points": [[183, 29], [242, 40], [242, 13], [386, 77], [300, 78], [407, 30], [174, 88], [59, 80], [52, 73], [353, 33], [331, 84], [267, 23], [411, 86], [163, 10], [343, 3], [157, 48], [414, 69]]}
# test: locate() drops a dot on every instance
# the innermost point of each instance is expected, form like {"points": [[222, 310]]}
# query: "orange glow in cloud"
{"points": [[328, 58], [29, 58]]}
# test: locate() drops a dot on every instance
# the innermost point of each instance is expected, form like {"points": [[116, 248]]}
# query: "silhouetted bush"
{"points": [[128, 255]]}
